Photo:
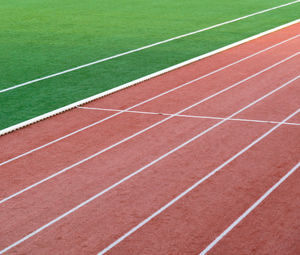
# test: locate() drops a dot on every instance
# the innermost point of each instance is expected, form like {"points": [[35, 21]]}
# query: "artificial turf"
{"points": [[39, 38]]}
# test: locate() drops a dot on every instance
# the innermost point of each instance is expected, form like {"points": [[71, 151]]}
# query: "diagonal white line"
{"points": [[157, 160], [146, 101], [249, 210], [193, 186], [145, 47], [188, 116], [152, 126]]}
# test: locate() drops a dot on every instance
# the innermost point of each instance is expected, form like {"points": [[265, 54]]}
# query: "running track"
{"points": [[202, 159]]}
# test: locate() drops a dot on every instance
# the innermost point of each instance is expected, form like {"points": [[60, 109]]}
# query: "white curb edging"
{"points": [[137, 81]]}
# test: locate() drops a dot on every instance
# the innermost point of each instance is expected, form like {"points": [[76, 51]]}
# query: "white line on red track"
{"points": [[134, 229], [146, 101], [188, 116], [249, 210], [154, 162], [146, 47], [156, 124]]}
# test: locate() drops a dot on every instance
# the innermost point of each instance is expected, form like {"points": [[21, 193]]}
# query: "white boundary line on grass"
{"points": [[195, 185], [129, 84], [147, 46], [188, 116], [148, 100], [35, 232], [159, 123], [249, 210]]}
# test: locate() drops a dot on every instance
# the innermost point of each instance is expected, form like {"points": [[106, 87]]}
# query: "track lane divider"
{"points": [[154, 162], [146, 129], [146, 101]]}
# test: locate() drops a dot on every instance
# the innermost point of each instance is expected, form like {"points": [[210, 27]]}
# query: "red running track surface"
{"points": [[92, 180]]}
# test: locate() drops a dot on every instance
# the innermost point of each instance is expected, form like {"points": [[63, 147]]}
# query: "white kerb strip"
{"points": [[152, 163], [147, 46], [249, 210], [130, 232]]}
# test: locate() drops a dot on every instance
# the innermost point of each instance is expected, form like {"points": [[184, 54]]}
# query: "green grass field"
{"points": [[39, 38]]}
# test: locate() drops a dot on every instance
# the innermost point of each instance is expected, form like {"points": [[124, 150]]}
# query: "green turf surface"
{"points": [[39, 38]]}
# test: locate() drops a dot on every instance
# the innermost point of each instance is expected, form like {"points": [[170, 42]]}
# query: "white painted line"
{"points": [[154, 125], [266, 121], [249, 210], [154, 162], [188, 116], [145, 47], [131, 231], [132, 83], [143, 102]]}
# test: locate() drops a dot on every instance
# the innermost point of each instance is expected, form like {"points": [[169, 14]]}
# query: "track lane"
{"points": [[43, 132], [275, 107], [272, 227]]}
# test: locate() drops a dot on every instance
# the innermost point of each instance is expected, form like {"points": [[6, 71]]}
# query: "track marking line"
{"points": [[249, 210], [193, 186], [188, 116], [146, 101], [145, 47], [157, 160], [156, 124]]}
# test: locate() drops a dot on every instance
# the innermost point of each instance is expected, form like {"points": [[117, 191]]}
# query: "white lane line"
{"points": [[148, 100], [144, 47], [154, 162], [249, 210], [148, 128], [188, 116], [131, 231]]}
